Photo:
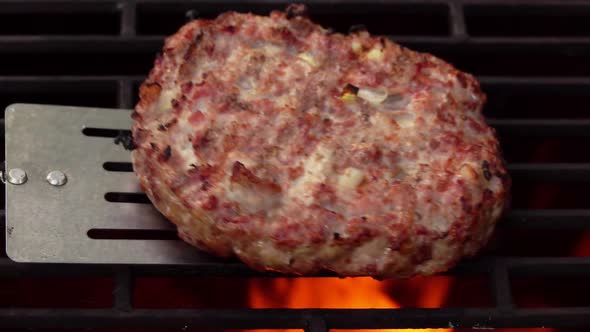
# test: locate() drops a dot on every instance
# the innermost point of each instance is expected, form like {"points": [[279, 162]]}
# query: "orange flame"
{"points": [[330, 293]]}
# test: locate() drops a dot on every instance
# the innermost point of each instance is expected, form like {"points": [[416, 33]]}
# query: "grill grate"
{"points": [[94, 52]]}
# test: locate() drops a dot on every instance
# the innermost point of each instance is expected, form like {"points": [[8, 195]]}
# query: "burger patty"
{"points": [[297, 149]]}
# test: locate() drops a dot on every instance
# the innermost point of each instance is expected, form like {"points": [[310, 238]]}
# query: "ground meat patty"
{"points": [[297, 149]]}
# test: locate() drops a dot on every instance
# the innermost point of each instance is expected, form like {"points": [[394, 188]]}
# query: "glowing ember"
{"points": [[351, 293]]}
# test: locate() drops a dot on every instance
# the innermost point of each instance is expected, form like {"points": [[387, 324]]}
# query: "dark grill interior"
{"points": [[527, 20], [381, 18], [533, 60]]}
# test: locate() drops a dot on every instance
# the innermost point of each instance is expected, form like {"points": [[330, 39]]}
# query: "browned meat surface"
{"points": [[295, 149]]}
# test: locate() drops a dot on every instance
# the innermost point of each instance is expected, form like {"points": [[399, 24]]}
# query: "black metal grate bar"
{"points": [[125, 93], [294, 318], [529, 266], [561, 172], [316, 324], [558, 219], [128, 11], [501, 287], [457, 21], [123, 292], [104, 65]]}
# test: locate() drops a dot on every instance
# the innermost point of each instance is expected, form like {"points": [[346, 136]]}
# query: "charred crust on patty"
{"points": [[166, 154], [198, 37], [169, 124], [485, 165], [349, 88], [125, 138], [175, 103]]}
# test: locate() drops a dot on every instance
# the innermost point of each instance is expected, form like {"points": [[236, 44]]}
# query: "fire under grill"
{"points": [[532, 58]]}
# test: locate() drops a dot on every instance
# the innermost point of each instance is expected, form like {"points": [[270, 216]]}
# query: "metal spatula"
{"points": [[57, 189]]}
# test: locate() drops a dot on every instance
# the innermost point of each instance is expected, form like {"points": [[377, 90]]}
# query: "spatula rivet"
{"points": [[17, 176], [57, 178]]}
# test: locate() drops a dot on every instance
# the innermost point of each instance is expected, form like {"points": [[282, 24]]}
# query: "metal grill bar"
{"points": [[561, 172], [123, 292], [316, 324], [294, 318], [128, 43], [128, 18], [548, 218], [125, 93], [529, 266], [556, 127], [457, 21], [501, 287], [456, 46]]}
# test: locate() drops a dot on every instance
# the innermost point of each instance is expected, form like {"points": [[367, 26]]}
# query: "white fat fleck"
{"points": [[250, 199], [396, 101], [202, 105], [376, 54], [495, 184], [187, 154], [364, 254], [439, 223], [372, 96], [245, 83], [350, 179], [184, 147], [166, 96], [356, 46], [315, 168], [308, 59], [436, 74], [468, 172], [272, 50], [404, 119]]}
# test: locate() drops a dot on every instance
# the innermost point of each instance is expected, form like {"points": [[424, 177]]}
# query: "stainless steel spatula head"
{"points": [[58, 191]]}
